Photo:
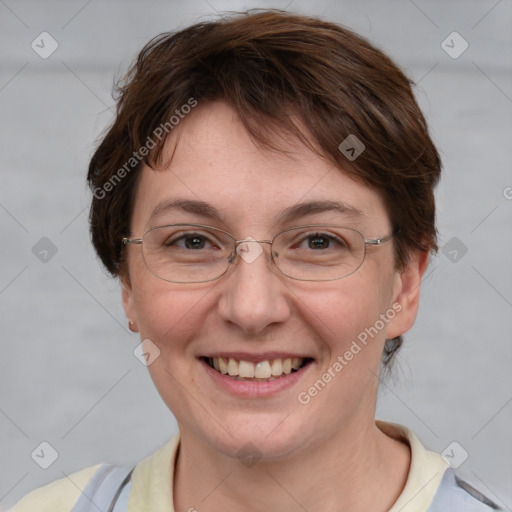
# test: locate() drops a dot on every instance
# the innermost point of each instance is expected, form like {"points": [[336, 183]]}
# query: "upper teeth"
{"points": [[261, 370]]}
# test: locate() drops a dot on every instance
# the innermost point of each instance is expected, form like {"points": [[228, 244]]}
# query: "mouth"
{"points": [[265, 370]]}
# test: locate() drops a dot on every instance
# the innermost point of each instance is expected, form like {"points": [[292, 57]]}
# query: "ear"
{"points": [[129, 304], [406, 296]]}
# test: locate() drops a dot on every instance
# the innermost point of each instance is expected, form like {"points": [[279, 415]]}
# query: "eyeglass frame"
{"points": [[367, 241]]}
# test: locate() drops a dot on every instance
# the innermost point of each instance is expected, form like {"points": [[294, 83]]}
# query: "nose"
{"points": [[253, 294]]}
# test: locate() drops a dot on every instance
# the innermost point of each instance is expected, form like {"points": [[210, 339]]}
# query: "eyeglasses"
{"points": [[196, 253]]}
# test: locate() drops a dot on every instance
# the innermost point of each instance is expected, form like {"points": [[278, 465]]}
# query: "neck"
{"points": [[358, 470]]}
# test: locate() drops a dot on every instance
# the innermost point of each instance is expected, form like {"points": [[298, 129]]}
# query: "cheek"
{"points": [[167, 315], [171, 318], [343, 319], [348, 318]]}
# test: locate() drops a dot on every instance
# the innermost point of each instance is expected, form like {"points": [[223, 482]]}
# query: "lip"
{"points": [[253, 389]]}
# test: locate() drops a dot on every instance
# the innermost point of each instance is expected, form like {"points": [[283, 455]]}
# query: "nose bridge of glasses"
{"points": [[248, 251], [251, 239]]}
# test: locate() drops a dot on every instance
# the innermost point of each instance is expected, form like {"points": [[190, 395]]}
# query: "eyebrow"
{"points": [[187, 205], [311, 207], [291, 213]]}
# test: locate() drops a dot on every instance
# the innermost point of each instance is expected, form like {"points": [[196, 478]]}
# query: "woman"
{"points": [[265, 196]]}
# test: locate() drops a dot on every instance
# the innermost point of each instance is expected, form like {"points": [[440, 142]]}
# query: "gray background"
{"points": [[68, 374]]}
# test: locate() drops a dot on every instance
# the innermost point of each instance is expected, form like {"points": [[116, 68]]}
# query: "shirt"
{"points": [[151, 490]]}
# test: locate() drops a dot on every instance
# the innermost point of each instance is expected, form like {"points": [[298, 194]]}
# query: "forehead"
{"points": [[211, 159]]}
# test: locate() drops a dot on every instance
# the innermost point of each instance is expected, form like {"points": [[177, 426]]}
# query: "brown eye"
{"points": [[318, 242], [192, 241], [321, 241]]}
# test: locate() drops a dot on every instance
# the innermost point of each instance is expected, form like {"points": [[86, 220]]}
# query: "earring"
{"points": [[131, 326]]}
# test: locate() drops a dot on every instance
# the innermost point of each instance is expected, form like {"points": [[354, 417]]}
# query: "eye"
{"points": [[321, 241], [192, 241], [318, 241]]}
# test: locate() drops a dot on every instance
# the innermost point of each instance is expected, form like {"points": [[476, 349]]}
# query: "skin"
{"points": [[332, 444]]}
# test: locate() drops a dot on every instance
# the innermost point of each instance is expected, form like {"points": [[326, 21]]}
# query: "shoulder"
{"points": [[108, 484], [456, 495], [58, 496], [432, 485]]}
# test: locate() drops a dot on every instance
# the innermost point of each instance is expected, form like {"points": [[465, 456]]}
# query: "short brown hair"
{"points": [[268, 65]]}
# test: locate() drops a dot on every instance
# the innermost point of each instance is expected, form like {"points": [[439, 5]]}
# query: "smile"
{"points": [[266, 370]]}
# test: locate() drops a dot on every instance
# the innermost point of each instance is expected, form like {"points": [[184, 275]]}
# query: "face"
{"points": [[254, 313]]}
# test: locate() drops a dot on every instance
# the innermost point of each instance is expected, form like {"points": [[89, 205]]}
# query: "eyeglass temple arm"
{"points": [[378, 241], [132, 240]]}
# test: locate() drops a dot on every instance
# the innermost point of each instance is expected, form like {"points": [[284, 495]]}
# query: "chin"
{"points": [[253, 435]]}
